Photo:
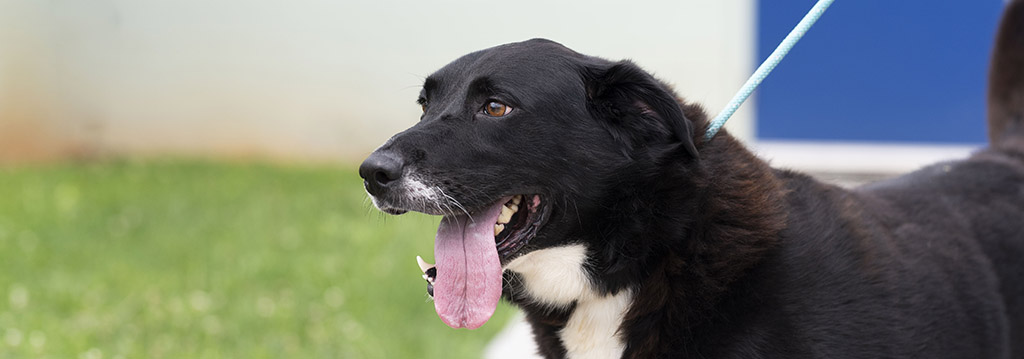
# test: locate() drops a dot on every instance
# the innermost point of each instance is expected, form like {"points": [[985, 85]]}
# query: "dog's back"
{"points": [[970, 214]]}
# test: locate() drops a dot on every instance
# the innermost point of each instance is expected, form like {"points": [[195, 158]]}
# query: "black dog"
{"points": [[583, 191]]}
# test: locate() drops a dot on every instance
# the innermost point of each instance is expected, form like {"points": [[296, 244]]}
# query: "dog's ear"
{"points": [[638, 109]]}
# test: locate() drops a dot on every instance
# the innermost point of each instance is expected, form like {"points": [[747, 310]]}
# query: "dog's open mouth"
{"points": [[517, 224], [466, 281]]}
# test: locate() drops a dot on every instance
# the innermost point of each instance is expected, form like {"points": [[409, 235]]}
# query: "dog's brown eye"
{"points": [[496, 109], [423, 107]]}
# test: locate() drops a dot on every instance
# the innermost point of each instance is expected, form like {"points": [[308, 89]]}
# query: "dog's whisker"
{"points": [[443, 205], [455, 202], [448, 207], [444, 208]]}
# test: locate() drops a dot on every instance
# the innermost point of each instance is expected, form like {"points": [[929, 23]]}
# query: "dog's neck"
{"points": [[735, 202], [726, 208], [732, 205]]}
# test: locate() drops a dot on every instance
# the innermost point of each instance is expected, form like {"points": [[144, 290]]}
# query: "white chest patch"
{"points": [[593, 328], [554, 276], [557, 277]]}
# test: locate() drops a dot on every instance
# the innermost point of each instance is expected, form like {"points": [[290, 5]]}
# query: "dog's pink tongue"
{"points": [[468, 283]]}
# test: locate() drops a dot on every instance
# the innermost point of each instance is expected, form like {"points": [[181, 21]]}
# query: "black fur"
{"points": [[726, 257]]}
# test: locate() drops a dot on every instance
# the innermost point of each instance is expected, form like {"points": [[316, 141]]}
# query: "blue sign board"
{"points": [[878, 70]]}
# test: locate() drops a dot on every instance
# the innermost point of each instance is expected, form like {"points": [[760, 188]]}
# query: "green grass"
{"points": [[198, 259]]}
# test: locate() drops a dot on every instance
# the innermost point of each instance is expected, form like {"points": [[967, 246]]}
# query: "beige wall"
{"points": [[305, 78]]}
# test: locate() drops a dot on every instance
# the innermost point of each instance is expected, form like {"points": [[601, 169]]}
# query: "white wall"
{"points": [[307, 78]]}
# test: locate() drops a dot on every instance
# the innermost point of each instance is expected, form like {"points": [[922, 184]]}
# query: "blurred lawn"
{"points": [[195, 259]]}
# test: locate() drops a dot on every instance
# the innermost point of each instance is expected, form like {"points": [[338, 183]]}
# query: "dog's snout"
{"points": [[380, 170]]}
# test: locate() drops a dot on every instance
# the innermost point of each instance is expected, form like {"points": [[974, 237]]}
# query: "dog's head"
{"points": [[517, 147]]}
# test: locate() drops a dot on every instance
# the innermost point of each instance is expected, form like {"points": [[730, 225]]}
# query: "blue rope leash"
{"points": [[767, 66]]}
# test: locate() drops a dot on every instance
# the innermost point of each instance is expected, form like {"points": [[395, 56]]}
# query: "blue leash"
{"points": [[767, 66]]}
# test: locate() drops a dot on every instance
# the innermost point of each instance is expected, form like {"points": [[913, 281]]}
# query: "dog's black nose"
{"points": [[380, 170]]}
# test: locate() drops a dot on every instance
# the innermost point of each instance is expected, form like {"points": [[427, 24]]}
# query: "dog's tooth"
{"points": [[511, 207], [516, 199], [498, 228], [506, 215], [424, 266]]}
